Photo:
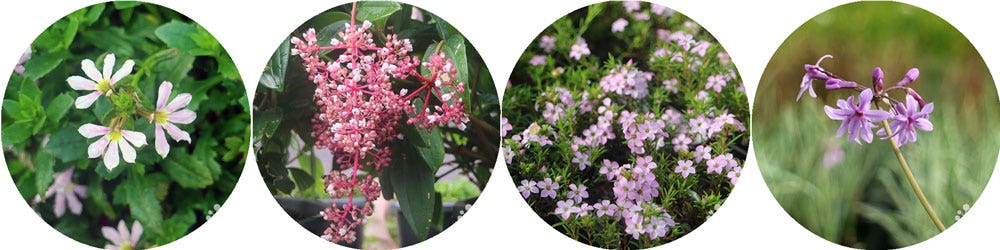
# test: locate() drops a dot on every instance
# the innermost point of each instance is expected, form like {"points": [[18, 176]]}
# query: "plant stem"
{"points": [[911, 179]]}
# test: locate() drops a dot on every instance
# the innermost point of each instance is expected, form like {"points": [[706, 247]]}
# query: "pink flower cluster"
{"points": [[359, 113], [626, 80]]}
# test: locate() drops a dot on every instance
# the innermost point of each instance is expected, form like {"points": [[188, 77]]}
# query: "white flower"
{"points": [[111, 142], [100, 83], [167, 114], [122, 237]]}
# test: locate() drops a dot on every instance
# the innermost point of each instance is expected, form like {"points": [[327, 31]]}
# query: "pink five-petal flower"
{"points": [[857, 117], [122, 238], [909, 118], [111, 141], [66, 193], [527, 188], [813, 72], [167, 114], [685, 168], [100, 82], [566, 208]]}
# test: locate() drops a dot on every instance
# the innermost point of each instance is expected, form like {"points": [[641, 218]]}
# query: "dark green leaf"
{"points": [[67, 144], [174, 67], [428, 143], [274, 73], [16, 133], [266, 123], [413, 183], [96, 195], [177, 226], [186, 170], [303, 180], [376, 11], [177, 34], [40, 65], [58, 107], [112, 39], [126, 4], [142, 203], [43, 169]]}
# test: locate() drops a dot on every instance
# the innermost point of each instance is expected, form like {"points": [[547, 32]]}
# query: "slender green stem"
{"points": [[911, 179]]}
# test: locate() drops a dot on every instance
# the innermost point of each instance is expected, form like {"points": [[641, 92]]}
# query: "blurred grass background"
{"points": [[865, 201]]}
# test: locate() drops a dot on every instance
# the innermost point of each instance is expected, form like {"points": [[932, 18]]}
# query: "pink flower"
{"points": [[122, 238], [537, 60], [813, 72], [857, 117], [606, 208], [577, 192], [684, 167], [548, 188], [111, 141], [565, 209], [167, 114], [716, 82], [504, 127], [702, 153], [579, 49], [100, 83], [619, 25], [66, 193], [632, 5], [527, 188], [734, 175], [909, 118], [19, 69], [547, 43]]}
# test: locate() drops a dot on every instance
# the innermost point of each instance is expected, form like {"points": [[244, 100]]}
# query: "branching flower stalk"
{"points": [[899, 124], [359, 113]]}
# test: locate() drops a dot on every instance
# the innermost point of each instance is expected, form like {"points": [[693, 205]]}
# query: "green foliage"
{"points": [[283, 107], [167, 196]]}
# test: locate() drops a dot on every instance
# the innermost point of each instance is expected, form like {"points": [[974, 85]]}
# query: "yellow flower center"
{"points": [[160, 117], [68, 188], [115, 135], [126, 245], [104, 85]]}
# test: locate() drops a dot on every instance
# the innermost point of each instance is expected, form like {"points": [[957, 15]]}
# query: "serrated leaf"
{"points": [[176, 226], [67, 144], [413, 184], [142, 203], [274, 73], [187, 171]]}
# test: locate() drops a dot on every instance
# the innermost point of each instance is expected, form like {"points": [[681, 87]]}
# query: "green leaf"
{"points": [[274, 73], [266, 123], [303, 180], [444, 30], [58, 107], [40, 65], [96, 195], [12, 109], [43, 170], [93, 13], [16, 133], [177, 34], [186, 170], [454, 49], [174, 67], [126, 4], [140, 197], [112, 39], [331, 24], [227, 68], [176, 226], [67, 144], [413, 183], [429, 144], [376, 11]]}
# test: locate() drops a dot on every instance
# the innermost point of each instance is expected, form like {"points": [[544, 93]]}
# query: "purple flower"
{"points": [[527, 188], [504, 127], [715, 165], [19, 68], [877, 76], [547, 43], [909, 118], [716, 82], [565, 209], [857, 117], [548, 188], [734, 175], [619, 25], [537, 60], [684, 167], [66, 193], [122, 237], [702, 153], [910, 76], [813, 72], [579, 49], [606, 208], [577, 192]]}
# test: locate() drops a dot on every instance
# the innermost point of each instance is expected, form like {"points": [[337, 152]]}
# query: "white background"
{"points": [[500, 30]]}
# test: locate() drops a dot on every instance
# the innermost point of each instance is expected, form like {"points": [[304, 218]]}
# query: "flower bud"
{"points": [[910, 77], [877, 76], [913, 93], [837, 83]]}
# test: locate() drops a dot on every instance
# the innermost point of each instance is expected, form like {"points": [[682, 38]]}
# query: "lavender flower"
{"points": [[908, 119], [619, 25], [565, 209], [857, 117], [527, 188], [684, 167], [577, 192], [813, 72], [579, 49], [548, 188], [122, 238], [66, 193], [547, 43]]}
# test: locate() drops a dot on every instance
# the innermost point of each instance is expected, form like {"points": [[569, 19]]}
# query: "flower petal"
{"points": [[176, 133], [136, 138], [184, 116], [128, 153], [924, 124], [122, 72], [876, 115], [109, 65], [123, 230], [111, 234], [163, 94], [91, 70], [90, 130], [111, 156], [74, 203], [179, 102], [136, 232], [160, 141], [97, 148], [60, 207], [81, 83], [85, 101]]}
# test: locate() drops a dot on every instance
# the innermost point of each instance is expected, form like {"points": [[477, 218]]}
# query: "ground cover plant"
{"points": [[370, 101], [125, 125], [624, 125], [847, 180]]}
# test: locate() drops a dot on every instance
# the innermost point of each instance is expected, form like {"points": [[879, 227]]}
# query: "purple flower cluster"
{"points": [[858, 116]]}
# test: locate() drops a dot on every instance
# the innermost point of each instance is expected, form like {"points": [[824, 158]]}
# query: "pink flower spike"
{"points": [[167, 113]]}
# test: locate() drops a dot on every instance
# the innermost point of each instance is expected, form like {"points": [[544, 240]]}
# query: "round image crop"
{"points": [[125, 125], [376, 125], [869, 125], [624, 125]]}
